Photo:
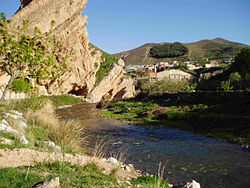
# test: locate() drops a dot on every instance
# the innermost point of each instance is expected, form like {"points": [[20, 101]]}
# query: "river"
{"points": [[187, 156]]}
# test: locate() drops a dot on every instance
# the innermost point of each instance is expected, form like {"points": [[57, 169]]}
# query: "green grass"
{"points": [[36, 103], [105, 67], [12, 178], [149, 182], [89, 175], [107, 62]]}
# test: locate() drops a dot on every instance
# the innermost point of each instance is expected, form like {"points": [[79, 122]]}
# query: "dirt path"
{"points": [[27, 157]]}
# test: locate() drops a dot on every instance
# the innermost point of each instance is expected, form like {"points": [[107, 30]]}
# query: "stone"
{"points": [[66, 106], [3, 127], [192, 184], [23, 140], [17, 113], [5, 141], [8, 129], [128, 168], [53, 145], [5, 122], [113, 160], [12, 116], [54, 183], [22, 124]]}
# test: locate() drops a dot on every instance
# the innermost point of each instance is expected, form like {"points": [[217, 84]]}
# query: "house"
{"points": [[214, 63], [174, 74], [208, 66], [152, 76], [192, 67]]}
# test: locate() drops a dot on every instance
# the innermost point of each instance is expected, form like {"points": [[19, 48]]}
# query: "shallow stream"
{"points": [[187, 156]]}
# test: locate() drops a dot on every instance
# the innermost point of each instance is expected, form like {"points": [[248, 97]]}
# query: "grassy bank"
{"points": [[213, 120]]}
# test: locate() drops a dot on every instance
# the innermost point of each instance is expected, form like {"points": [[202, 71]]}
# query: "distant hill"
{"points": [[216, 48]]}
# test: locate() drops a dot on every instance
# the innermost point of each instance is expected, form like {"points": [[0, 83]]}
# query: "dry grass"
{"points": [[100, 149], [160, 174], [66, 134]]}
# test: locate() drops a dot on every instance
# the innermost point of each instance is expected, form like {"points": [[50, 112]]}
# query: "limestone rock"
{"points": [[23, 140], [70, 29], [5, 141], [192, 184], [22, 124], [54, 183], [113, 161]]}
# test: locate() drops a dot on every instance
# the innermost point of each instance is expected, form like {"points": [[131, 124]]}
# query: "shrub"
{"points": [[165, 86], [21, 85]]}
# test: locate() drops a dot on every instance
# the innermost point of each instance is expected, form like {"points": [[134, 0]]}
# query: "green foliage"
{"points": [[242, 62], [149, 181], [168, 50], [29, 56], [21, 85], [105, 67], [191, 87], [165, 86], [226, 86]]}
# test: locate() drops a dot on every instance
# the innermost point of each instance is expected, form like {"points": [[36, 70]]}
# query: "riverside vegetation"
{"points": [[44, 126], [217, 121]]}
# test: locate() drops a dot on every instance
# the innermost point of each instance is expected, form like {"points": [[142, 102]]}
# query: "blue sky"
{"points": [[119, 25]]}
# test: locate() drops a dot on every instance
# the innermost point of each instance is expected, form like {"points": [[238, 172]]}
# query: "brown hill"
{"points": [[216, 48]]}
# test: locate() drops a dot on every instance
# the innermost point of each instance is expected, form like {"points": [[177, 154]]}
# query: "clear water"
{"points": [[187, 156]]}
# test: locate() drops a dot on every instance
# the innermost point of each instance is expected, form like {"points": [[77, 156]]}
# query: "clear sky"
{"points": [[119, 25]]}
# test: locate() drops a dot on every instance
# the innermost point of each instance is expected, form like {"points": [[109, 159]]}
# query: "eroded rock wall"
{"points": [[70, 29]]}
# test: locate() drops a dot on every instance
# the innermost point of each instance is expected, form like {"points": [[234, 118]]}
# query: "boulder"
{"points": [[192, 184]]}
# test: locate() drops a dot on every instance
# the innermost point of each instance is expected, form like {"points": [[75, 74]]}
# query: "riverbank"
{"points": [[36, 146], [224, 116]]}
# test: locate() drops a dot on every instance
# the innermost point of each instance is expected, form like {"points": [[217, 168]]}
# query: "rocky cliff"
{"points": [[70, 29]]}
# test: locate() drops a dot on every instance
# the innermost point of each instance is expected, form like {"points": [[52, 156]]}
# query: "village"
{"points": [[176, 70]]}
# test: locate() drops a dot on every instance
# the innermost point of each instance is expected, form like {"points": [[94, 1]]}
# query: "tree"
{"points": [[32, 56], [242, 63], [168, 50]]}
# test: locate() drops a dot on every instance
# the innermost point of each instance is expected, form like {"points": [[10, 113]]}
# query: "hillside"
{"points": [[216, 48]]}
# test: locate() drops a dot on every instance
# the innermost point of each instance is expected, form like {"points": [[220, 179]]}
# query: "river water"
{"points": [[187, 156]]}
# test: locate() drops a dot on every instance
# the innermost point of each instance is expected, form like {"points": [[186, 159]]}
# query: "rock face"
{"points": [[70, 29]]}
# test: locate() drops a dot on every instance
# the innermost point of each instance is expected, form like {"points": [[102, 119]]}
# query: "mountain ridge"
{"points": [[214, 48]]}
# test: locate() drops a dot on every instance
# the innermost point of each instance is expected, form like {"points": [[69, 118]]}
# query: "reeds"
{"points": [[65, 133]]}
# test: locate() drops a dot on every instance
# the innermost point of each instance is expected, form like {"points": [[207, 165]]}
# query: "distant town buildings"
{"points": [[170, 70]]}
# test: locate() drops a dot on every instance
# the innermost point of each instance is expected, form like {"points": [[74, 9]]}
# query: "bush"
{"points": [[164, 86], [21, 85]]}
